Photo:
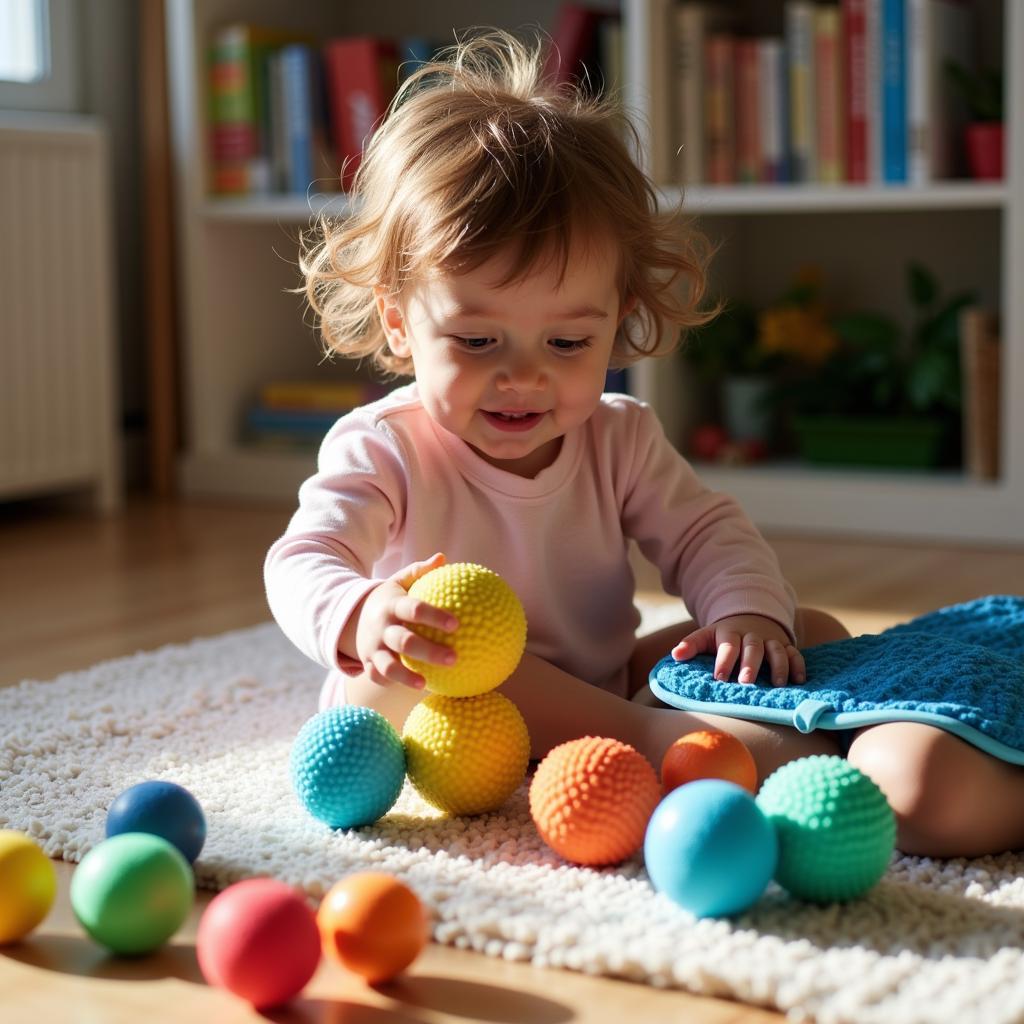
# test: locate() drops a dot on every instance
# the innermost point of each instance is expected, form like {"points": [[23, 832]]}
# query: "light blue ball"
{"points": [[710, 849], [348, 766]]}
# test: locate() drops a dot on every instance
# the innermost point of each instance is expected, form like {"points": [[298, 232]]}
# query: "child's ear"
{"points": [[392, 321], [627, 307]]}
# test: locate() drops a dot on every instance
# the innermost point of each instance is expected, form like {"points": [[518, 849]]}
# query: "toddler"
{"points": [[504, 250]]}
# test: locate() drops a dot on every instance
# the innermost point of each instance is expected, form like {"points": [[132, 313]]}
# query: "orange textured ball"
{"points": [[591, 800], [373, 925], [708, 754]]}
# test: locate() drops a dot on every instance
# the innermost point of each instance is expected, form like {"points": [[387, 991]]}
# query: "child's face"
{"points": [[486, 355]]}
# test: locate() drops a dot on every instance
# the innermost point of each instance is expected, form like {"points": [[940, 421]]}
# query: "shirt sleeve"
{"points": [[320, 569], [707, 550]]}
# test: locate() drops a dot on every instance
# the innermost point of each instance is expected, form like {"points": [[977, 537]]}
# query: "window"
{"points": [[39, 55], [24, 40]]}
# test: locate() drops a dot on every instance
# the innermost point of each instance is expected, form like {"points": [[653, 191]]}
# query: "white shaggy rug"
{"points": [[934, 941]]}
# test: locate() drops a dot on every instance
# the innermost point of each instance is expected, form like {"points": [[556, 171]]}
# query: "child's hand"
{"points": [[751, 638], [383, 631]]}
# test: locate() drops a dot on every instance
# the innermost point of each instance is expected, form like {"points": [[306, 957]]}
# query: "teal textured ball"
{"points": [[132, 892], [836, 829], [709, 848], [348, 766]]}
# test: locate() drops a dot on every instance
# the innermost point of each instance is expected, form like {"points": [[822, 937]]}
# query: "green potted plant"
{"points": [[984, 136], [885, 397]]}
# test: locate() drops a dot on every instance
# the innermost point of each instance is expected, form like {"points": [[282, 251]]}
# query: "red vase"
{"points": [[985, 142]]}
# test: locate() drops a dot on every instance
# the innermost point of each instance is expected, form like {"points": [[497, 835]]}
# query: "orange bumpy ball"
{"points": [[373, 925], [591, 800], [708, 754]]}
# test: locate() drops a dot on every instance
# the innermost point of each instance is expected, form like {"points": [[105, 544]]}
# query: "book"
{"points": [[799, 33], [720, 107], [979, 369], [774, 123], [297, 82], [693, 23], [747, 111], [894, 91], [938, 31], [573, 52], [320, 396], [239, 107], [361, 79], [829, 95], [873, 106], [855, 90], [662, 146]]}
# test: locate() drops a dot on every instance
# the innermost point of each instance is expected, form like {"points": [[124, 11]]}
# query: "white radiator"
{"points": [[58, 406]]}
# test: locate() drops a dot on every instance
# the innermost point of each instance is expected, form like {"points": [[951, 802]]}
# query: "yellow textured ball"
{"points": [[466, 755], [28, 885], [491, 635]]}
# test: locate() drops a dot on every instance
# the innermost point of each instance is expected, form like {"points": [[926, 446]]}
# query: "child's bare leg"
{"points": [[950, 798]]}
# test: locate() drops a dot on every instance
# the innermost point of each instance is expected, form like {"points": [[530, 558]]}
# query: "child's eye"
{"points": [[570, 344], [474, 343]]}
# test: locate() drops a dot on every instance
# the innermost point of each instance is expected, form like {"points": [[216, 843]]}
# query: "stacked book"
{"points": [[854, 91], [286, 112], [295, 415]]}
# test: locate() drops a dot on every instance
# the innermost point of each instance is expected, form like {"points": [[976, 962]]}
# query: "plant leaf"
{"points": [[922, 284]]}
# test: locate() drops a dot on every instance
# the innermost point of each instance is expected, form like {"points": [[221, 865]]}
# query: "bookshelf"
{"points": [[241, 327]]}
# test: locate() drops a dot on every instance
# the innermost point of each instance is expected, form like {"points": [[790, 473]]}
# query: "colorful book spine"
{"points": [[325, 397], [799, 21], [828, 95], [771, 77], [855, 91], [719, 59], [238, 108], [748, 112], [362, 76], [297, 79], [894, 91]]}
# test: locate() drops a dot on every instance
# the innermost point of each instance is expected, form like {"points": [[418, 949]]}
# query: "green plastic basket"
{"points": [[852, 441]]}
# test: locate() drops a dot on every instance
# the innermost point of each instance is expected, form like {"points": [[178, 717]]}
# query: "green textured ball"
{"points": [[836, 829], [132, 892]]}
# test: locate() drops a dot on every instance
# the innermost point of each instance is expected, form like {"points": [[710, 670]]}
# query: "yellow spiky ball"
{"points": [[466, 755], [491, 635]]}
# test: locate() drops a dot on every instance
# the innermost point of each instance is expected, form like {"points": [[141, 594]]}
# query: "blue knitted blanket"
{"points": [[959, 668]]}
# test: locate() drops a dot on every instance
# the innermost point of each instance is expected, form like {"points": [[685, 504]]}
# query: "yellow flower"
{"points": [[796, 331]]}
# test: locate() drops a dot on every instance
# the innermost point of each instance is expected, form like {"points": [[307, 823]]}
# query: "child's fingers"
{"points": [[412, 645], [385, 668], [778, 662], [411, 573], [416, 612], [728, 651], [797, 666], [751, 658], [700, 641]]}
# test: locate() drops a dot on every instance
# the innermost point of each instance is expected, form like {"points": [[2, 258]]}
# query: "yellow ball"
{"points": [[466, 755], [491, 635], [28, 885]]}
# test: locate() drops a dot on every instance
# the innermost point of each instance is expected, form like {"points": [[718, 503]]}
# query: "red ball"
{"points": [[259, 940]]}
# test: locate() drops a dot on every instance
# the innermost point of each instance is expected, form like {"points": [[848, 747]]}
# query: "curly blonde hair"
{"points": [[478, 151]]}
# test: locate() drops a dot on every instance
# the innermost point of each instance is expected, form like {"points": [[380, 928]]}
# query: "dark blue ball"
{"points": [[162, 809], [348, 766]]}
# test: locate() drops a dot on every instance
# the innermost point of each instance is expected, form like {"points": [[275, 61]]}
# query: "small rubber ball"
{"points": [[491, 635], [836, 829], [348, 766], [591, 799]]}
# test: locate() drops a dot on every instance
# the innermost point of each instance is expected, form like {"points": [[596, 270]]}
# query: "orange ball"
{"points": [[373, 925], [708, 754], [591, 800]]}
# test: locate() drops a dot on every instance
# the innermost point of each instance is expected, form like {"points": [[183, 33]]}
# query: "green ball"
{"points": [[836, 829], [132, 892]]}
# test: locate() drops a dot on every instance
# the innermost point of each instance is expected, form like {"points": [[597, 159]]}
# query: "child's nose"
{"points": [[521, 373]]}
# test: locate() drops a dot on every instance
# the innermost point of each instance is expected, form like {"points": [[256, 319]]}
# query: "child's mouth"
{"points": [[514, 421]]}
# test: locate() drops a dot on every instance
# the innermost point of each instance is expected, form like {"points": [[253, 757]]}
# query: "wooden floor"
{"points": [[75, 590]]}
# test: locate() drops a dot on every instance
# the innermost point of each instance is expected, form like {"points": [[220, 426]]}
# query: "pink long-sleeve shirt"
{"points": [[393, 486]]}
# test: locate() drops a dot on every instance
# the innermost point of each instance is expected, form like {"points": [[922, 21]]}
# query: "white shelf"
{"points": [[747, 199], [275, 209]]}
